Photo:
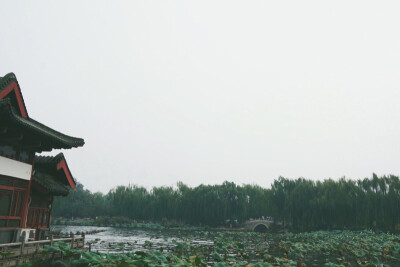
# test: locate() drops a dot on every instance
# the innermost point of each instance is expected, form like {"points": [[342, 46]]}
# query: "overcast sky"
{"points": [[208, 91]]}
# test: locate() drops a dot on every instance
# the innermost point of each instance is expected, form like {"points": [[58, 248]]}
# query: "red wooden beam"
{"points": [[63, 165], [14, 87]]}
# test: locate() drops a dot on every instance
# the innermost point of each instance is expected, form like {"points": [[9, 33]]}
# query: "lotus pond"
{"points": [[122, 247]]}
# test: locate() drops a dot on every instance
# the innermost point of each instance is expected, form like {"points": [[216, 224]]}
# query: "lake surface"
{"points": [[116, 240], [340, 248]]}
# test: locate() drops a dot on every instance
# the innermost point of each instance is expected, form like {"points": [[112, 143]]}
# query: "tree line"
{"points": [[300, 204]]}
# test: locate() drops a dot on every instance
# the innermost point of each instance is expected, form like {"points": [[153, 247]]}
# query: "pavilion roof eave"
{"points": [[52, 139]]}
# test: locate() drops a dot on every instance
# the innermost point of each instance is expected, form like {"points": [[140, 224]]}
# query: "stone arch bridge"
{"points": [[258, 225]]}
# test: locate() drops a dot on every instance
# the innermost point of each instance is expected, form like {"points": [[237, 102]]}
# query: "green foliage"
{"points": [[322, 248], [301, 205]]}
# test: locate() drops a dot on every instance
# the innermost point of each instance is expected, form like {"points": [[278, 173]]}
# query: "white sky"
{"points": [[207, 91]]}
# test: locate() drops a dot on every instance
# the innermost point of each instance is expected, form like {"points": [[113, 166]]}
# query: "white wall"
{"points": [[15, 168]]}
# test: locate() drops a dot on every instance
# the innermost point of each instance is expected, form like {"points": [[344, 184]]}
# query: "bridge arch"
{"points": [[260, 228]]}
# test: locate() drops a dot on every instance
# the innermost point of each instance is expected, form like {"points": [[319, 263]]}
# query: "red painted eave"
{"points": [[14, 87], [62, 165]]}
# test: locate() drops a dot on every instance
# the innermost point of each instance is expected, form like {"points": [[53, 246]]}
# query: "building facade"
{"points": [[28, 183]]}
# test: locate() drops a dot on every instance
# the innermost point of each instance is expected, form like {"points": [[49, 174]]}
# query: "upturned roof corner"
{"points": [[14, 114]]}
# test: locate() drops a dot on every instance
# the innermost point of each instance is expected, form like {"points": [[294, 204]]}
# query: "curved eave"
{"points": [[64, 141], [52, 138]]}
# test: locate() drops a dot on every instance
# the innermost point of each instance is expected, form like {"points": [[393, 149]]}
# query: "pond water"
{"points": [[321, 248], [116, 240]]}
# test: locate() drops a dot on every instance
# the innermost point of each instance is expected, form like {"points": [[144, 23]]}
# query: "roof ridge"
{"points": [[59, 157], [7, 79]]}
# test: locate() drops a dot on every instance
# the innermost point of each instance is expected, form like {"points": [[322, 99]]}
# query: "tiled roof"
{"points": [[52, 160], [50, 184], [49, 164], [6, 80], [52, 138]]}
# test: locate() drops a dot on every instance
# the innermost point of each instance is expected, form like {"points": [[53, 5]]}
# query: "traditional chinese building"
{"points": [[28, 183]]}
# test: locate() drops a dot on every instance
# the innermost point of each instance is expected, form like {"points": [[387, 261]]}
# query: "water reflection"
{"points": [[115, 240]]}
